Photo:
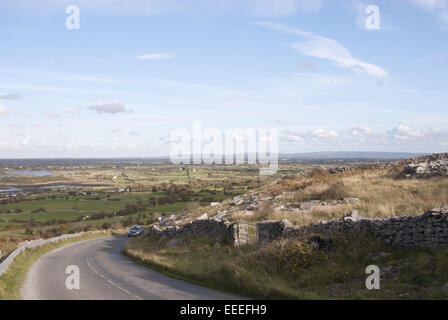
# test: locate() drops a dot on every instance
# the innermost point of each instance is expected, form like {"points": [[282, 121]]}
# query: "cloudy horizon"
{"points": [[137, 70]]}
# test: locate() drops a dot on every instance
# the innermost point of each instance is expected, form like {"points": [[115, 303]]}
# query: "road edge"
{"points": [[177, 276], [13, 280]]}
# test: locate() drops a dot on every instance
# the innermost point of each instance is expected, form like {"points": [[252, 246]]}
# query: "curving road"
{"points": [[105, 273]]}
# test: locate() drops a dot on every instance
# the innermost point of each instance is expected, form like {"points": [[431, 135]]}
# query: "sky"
{"points": [[137, 70]]}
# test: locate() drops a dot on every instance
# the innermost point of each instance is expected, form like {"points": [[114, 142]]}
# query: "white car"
{"points": [[135, 231]]}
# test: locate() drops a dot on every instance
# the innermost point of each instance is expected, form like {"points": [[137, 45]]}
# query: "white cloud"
{"points": [[310, 136], [51, 114], [431, 4], [437, 7], [113, 107], [72, 110], [156, 56], [362, 138], [328, 49], [405, 132], [11, 96], [2, 110], [319, 134], [361, 131]]}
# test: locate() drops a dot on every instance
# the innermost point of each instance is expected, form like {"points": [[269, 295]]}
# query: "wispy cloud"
{"points": [[11, 96], [437, 7], [112, 107], [72, 111], [156, 56], [266, 8], [361, 131], [51, 114], [328, 49]]}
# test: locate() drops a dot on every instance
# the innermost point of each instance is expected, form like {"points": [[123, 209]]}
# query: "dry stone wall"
{"points": [[427, 230], [201, 227]]}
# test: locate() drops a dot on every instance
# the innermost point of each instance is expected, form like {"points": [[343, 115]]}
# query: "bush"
{"points": [[317, 173], [264, 211], [285, 257], [107, 225], [336, 191]]}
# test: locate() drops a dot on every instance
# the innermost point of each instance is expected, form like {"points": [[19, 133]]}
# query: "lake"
{"points": [[29, 188], [29, 173]]}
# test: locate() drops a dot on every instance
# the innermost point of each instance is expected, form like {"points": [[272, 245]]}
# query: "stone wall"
{"points": [[202, 227], [427, 230]]}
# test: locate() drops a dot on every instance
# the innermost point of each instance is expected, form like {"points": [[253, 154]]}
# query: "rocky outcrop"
{"points": [[200, 227], [293, 207], [427, 166]]}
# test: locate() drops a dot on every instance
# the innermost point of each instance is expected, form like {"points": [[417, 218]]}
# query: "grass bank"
{"points": [[12, 281], [294, 270]]}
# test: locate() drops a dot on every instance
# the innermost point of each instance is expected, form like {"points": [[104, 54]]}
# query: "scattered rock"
{"points": [[353, 216], [321, 244], [352, 200], [389, 271], [445, 289], [220, 216], [380, 256], [308, 205], [203, 217], [174, 242]]}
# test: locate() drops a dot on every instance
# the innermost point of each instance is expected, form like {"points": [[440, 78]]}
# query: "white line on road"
{"points": [[112, 283]]}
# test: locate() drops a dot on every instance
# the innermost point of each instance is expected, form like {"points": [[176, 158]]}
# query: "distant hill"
{"points": [[350, 155]]}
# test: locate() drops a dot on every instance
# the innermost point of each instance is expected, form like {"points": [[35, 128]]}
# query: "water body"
{"points": [[29, 173], [29, 188]]}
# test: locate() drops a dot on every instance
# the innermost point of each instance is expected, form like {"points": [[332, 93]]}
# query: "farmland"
{"points": [[101, 195]]}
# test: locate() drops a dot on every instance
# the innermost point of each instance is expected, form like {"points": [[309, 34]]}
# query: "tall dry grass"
{"points": [[382, 195]]}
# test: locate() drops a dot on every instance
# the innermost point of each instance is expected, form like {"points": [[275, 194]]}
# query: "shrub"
{"points": [[107, 225], [286, 256], [264, 211], [317, 173], [336, 191]]}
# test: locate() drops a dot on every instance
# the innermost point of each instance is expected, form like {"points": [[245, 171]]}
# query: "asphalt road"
{"points": [[105, 273]]}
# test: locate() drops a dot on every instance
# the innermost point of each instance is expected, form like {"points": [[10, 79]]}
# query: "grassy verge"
{"points": [[12, 281], [294, 270]]}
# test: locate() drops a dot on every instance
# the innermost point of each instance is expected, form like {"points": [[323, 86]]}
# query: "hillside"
{"points": [[296, 266]]}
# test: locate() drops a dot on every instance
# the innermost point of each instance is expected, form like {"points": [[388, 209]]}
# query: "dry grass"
{"points": [[382, 195], [291, 269]]}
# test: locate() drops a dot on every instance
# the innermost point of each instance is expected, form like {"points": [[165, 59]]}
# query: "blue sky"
{"points": [[137, 70]]}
